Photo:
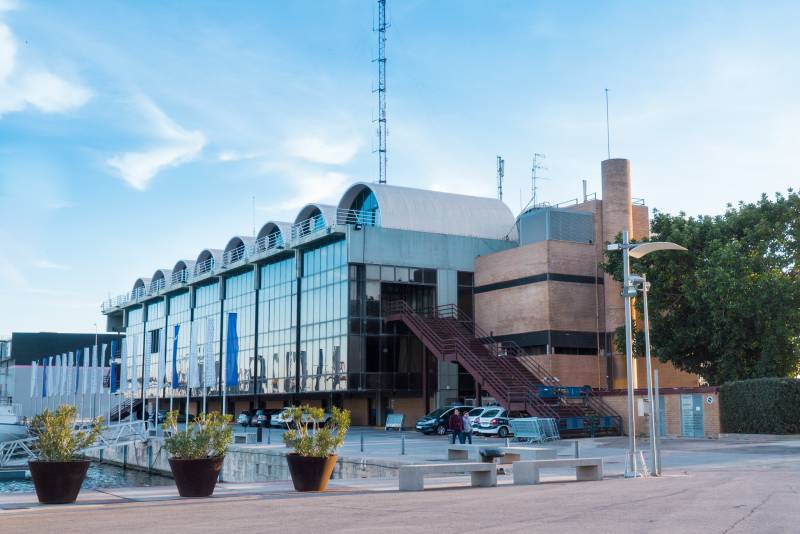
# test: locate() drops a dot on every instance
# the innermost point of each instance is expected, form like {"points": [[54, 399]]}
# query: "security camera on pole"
{"points": [[632, 465]]}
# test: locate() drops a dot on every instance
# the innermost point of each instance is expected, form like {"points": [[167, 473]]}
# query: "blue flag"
{"points": [[112, 378], [44, 377], [232, 353], [175, 357]]}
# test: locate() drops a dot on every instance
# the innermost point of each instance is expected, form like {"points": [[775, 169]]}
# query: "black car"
{"points": [[436, 421]]}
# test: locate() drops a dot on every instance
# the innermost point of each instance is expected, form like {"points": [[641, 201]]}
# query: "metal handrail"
{"points": [[179, 277], [269, 242], [156, 286], [237, 254], [309, 226], [138, 292], [362, 217], [204, 267]]}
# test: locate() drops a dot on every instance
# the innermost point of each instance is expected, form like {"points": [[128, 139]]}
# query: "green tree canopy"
{"points": [[729, 309]]}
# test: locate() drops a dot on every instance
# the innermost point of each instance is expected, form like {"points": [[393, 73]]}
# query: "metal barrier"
{"points": [[535, 429]]}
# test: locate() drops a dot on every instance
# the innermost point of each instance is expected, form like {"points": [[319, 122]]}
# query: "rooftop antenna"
{"points": [[501, 168], [535, 167], [608, 128], [381, 90]]}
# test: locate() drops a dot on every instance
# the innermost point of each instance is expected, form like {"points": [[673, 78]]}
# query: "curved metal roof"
{"points": [[184, 265], [285, 228], [239, 240], [328, 213], [407, 208], [141, 282], [162, 273], [209, 253]]}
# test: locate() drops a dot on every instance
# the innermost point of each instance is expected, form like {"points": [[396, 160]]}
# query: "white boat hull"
{"points": [[11, 432]]}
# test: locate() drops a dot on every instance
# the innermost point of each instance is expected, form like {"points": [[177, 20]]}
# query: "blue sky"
{"points": [[134, 134]]}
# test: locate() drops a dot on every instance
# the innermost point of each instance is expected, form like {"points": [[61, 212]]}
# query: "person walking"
{"points": [[456, 425], [466, 434]]}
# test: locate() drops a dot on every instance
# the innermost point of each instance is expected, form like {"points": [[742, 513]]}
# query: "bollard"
{"points": [[362, 442], [259, 434], [577, 449], [508, 442], [403, 444], [269, 435]]}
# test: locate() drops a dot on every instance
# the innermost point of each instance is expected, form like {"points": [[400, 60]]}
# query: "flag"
{"points": [[194, 375], [232, 353], [103, 364], [134, 367], [93, 370], [175, 356], [77, 369], [123, 365], [87, 358], [162, 359], [209, 367], [44, 377], [70, 364], [112, 374], [59, 376], [146, 356], [33, 378]]}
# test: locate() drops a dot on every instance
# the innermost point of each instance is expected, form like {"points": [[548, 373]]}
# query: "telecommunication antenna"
{"points": [[535, 167], [381, 90], [501, 171]]}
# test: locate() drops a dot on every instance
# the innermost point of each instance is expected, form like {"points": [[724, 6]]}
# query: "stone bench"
{"points": [[244, 437], [513, 454], [412, 477], [527, 471]]}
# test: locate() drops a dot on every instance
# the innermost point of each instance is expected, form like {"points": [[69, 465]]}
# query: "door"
{"points": [[692, 416], [662, 416]]}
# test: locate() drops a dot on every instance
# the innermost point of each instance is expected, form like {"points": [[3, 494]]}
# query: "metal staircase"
{"points": [[525, 386]]}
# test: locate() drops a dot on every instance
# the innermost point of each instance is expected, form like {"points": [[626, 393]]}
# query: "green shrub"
{"points": [[306, 437], [58, 441], [206, 437], [760, 406]]}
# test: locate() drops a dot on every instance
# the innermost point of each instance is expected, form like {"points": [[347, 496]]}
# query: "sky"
{"points": [[135, 134]]}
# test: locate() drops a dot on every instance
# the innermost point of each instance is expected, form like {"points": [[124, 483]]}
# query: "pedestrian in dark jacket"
{"points": [[456, 425]]}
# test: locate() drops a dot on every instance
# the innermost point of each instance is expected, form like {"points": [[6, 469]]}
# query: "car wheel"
{"points": [[503, 432], [441, 430]]}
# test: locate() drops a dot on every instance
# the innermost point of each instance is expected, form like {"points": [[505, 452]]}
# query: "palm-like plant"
{"points": [[58, 440]]}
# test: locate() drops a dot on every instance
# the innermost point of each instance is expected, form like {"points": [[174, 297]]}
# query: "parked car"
{"points": [[436, 421], [475, 414], [261, 418], [280, 419], [495, 422], [244, 417]]}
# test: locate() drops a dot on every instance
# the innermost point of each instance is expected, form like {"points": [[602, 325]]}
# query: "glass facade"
{"points": [[135, 333], [240, 298], [154, 329], [180, 313], [323, 319], [277, 320], [207, 306]]}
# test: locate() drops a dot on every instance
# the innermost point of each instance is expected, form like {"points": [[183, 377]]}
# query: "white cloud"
{"points": [[318, 150], [176, 146], [308, 185], [22, 87], [46, 264]]}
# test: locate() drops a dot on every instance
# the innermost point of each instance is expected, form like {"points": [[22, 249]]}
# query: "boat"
{"points": [[11, 426]]}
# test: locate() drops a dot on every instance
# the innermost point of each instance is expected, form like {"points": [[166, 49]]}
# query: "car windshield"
{"points": [[491, 413], [436, 413], [475, 412]]}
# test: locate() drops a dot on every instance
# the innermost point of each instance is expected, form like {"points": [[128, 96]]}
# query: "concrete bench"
{"points": [[513, 454], [527, 471], [412, 477], [244, 437]]}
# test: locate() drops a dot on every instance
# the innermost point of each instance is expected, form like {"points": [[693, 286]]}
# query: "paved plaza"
{"points": [[727, 485]]}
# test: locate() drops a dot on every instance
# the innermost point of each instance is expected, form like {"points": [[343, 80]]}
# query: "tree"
{"points": [[729, 309]]}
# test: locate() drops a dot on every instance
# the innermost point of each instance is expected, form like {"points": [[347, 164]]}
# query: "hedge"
{"points": [[760, 406]]}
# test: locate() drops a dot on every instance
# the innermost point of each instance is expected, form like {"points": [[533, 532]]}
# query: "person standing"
{"points": [[466, 434], [456, 425]]}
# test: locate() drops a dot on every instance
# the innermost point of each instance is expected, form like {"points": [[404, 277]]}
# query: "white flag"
{"points": [[209, 367], [70, 372], [123, 365], [134, 367], [194, 375], [33, 378], [57, 377], [162, 359], [50, 374], [148, 344], [105, 361], [87, 359], [93, 371]]}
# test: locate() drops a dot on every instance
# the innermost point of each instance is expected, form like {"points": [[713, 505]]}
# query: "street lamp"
{"points": [[629, 291]]}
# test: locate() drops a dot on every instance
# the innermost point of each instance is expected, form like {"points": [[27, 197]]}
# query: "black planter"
{"points": [[310, 473], [196, 478], [58, 482]]}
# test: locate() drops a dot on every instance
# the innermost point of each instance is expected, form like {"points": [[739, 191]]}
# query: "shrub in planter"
{"points": [[197, 453], [59, 472], [312, 462]]}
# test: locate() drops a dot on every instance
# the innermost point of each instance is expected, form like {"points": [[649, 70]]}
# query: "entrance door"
{"points": [[662, 416], [692, 416]]}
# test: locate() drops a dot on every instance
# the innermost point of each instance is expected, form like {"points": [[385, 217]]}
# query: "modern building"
{"points": [[369, 305]]}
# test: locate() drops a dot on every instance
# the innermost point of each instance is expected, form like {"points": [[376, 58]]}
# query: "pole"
{"points": [[188, 390], [657, 399], [631, 467], [652, 428]]}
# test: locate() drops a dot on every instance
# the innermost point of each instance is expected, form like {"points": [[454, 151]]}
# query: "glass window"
{"points": [[373, 272], [387, 273]]}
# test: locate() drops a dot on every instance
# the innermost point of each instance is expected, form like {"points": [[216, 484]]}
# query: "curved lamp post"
{"points": [[629, 291]]}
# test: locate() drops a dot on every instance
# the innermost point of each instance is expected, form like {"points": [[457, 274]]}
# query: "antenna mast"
{"points": [[381, 90], [501, 168], [536, 166]]}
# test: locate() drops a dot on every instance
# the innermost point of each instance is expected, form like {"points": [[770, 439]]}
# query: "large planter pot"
{"points": [[58, 482], [309, 473], [196, 478]]}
